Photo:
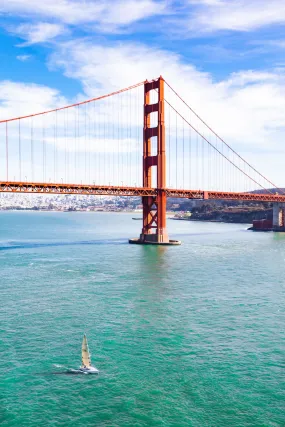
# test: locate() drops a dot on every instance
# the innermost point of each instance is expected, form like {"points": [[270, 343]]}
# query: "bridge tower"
{"points": [[154, 229]]}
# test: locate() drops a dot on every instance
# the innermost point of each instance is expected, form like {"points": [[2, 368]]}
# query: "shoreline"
{"points": [[210, 220], [78, 211], [170, 215]]}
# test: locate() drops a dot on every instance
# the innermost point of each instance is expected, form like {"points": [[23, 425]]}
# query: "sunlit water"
{"points": [[182, 336]]}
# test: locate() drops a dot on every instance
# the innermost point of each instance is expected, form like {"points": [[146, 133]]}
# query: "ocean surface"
{"points": [[182, 336]]}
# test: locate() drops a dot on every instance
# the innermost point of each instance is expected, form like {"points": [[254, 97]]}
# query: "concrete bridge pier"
{"points": [[278, 216]]}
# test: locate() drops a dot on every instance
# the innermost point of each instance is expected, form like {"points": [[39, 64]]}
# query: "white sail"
{"points": [[86, 360]]}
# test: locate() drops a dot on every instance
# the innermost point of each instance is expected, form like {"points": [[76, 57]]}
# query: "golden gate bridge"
{"points": [[143, 140]]}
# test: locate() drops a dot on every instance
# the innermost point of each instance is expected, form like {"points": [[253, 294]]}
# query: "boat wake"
{"points": [[64, 370], [74, 371]]}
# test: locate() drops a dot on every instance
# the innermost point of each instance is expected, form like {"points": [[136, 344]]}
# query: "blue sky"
{"points": [[219, 37], [226, 57]]}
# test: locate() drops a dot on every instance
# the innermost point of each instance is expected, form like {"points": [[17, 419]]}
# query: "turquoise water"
{"points": [[182, 336]]}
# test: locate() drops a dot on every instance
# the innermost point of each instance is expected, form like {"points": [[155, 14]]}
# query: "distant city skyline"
{"points": [[63, 202]]}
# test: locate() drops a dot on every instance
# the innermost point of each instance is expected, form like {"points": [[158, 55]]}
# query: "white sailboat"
{"points": [[86, 367]]}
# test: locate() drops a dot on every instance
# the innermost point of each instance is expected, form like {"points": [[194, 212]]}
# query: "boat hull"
{"points": [[90, 370]]}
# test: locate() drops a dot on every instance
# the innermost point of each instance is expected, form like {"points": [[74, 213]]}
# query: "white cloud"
{"points": [[23, 58], [128, 11], [183, 18], [68, 11], [39, 33], [17, 99], [76, 12], [236, 15]]}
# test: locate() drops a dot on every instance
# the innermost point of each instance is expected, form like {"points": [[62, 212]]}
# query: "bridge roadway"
{"points": [[51, 188]]}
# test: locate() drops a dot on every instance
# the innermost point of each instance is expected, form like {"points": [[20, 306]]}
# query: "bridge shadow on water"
{"points": [[209, 233], [33, 245], [67, 372], [14, 245]]}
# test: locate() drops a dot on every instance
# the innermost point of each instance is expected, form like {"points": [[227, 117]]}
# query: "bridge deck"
{"points": [[51, 188]]}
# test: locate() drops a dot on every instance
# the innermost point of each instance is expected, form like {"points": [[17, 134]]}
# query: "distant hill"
{"points": [[270, 190]]}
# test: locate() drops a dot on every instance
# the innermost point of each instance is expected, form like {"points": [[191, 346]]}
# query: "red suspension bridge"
{"points": [[144, 140]]}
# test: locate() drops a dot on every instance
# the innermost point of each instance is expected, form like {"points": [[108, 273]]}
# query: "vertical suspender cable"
{"points": [[75, 137], [216, 165], [78, 172], [104, 130], [118, 140], [68, 156], [89, 145], [32, 148], [100, 158], [202, 164], [208, 161], [176, 153], [197, 164], [20, 152], [130, 136], [183, 155], [190, 160], [85, 152], [169, 153], [44, 150], [107, 142], [94, 146], [54, 154], [139, 145], [113, 142], [56, 160], [7, 153], [65, 143]]}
